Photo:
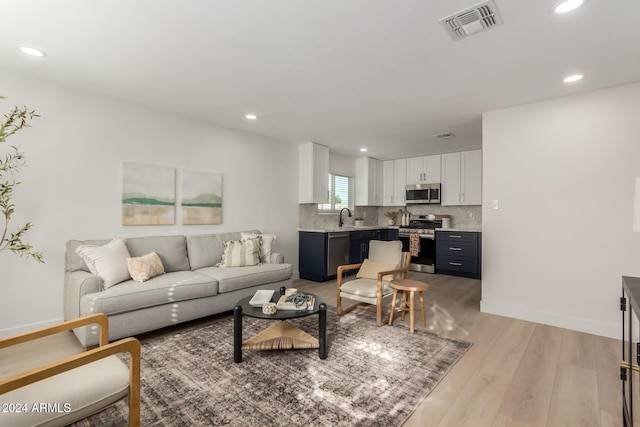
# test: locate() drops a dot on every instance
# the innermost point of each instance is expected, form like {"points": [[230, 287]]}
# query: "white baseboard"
{"points": [[26, 328], [608, 330]]}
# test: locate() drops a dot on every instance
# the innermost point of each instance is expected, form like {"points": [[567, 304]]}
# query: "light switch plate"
{"points": [[494, 204]]}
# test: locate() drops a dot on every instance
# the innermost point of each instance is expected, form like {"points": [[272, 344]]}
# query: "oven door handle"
{"points": [[422, 236]]}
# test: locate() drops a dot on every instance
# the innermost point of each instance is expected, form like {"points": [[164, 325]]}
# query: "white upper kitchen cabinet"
{"points": [[423, 170], [462, 178], [369, 179], [313, 173], [394, 182]]}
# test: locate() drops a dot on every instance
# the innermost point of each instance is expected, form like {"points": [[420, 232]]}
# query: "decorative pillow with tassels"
{"points": [[266, 244], [240, 253]]}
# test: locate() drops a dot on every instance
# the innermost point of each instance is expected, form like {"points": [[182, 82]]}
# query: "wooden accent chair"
{"points": [[48, 378], [371, 286]]}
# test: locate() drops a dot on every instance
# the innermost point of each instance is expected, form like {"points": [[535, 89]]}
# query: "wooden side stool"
{"points": [[408, 286]]}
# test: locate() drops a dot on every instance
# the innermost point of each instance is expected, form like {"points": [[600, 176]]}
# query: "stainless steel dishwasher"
{"points": [[338, 251]]}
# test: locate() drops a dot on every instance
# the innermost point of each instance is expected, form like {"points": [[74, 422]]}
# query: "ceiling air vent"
{"points": [[480, 17], [444, 135]]}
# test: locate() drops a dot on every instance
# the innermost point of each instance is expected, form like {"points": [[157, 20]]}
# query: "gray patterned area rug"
{"points": [[372, 376]]}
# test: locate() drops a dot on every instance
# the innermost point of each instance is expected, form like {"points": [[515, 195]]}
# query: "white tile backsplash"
{"points": [[461, 216]]}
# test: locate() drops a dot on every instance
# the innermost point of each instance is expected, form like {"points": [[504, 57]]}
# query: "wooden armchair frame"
{"points": [[365, 306], [104, 349]]}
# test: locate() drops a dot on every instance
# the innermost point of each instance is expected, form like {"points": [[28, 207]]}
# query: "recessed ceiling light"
{"points": [[567, 6], [251, 116], [363, 149], [573, 78], [31, 51]]}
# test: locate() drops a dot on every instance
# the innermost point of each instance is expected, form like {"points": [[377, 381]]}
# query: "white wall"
{"points": [[72, 186], [563, 172]]}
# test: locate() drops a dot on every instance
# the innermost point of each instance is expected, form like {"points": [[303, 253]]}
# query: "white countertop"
{"points": [[471, 229], [348, 228]]}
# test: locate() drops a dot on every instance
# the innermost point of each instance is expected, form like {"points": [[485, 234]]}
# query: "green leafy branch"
{"points": [[12, 163]]}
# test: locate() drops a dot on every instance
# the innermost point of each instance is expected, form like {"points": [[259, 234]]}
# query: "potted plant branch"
{"points": [[11, 165], [391, 217]]}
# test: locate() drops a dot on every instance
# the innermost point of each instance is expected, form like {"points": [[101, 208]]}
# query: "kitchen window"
{"points": [[340, 194]]}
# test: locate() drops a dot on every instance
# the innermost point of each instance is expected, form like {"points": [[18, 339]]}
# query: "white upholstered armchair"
{"points": [[48, 379], [371, 286]]}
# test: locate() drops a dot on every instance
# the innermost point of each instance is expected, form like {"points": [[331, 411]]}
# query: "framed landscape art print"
{"points": [[148, 194], [201, 197]]}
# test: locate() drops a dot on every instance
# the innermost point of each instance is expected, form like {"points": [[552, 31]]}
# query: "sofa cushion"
{"points": [[366, 288], [233, 278], [167, 288], [172, 250], [108, 261], [205, 250]]}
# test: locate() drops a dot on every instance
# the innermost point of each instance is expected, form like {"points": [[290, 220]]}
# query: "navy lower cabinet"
{"points": [[314, 247], [312, 258], [359, 244], [458, 253]]}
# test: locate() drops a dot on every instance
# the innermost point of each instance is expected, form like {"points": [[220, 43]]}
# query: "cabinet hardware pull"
{"points": [[453, 236], [456, 264], [455, 249], [626, 365]]}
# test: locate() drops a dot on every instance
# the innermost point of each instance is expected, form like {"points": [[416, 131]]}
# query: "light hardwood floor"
{"points": [[516, 373]]}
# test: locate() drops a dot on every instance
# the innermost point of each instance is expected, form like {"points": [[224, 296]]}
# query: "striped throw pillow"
{"points": [[240, 253]]}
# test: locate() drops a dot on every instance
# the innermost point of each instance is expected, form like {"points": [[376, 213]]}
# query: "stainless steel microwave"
{"points": [[423, 193]]}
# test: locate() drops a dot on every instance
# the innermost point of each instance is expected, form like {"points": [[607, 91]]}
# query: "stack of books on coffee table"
{"points": [[283, 304]]}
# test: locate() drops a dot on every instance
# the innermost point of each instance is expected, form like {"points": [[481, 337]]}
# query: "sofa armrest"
{"points": [[76, 284], [277, 258]]}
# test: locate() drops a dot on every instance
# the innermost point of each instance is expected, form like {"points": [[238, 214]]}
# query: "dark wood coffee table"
{"points": [[282, 335]]}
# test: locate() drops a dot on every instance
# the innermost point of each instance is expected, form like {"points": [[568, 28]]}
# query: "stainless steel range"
{"points": [[422, 231]]}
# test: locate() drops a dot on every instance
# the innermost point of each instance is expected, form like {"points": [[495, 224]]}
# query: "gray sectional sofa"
{"points": [[192, 286]]}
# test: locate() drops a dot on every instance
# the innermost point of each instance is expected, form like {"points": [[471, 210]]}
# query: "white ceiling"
{"points": [[345, 73]]}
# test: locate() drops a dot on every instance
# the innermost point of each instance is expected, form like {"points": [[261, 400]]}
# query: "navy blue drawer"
{"points": [[455, 248], [364, 235], [459, 264], [456, 236]]}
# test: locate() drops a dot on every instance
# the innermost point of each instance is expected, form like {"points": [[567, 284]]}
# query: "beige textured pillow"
{"points": [[240, 253], [266, 244], [370, 269], [145, 267], [108, 261]]}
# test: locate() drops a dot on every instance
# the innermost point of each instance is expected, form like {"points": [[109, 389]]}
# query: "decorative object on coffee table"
{"points": [[269, 308], [282, 335]]}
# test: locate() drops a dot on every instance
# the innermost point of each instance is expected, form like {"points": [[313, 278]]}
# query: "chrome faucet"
{"points": [[341, 221]]}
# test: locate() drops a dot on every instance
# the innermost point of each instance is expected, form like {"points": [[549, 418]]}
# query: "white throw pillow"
{"points": [[266, 244], [145, 267], [370, 269], [240, 254], [108, 261]]}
